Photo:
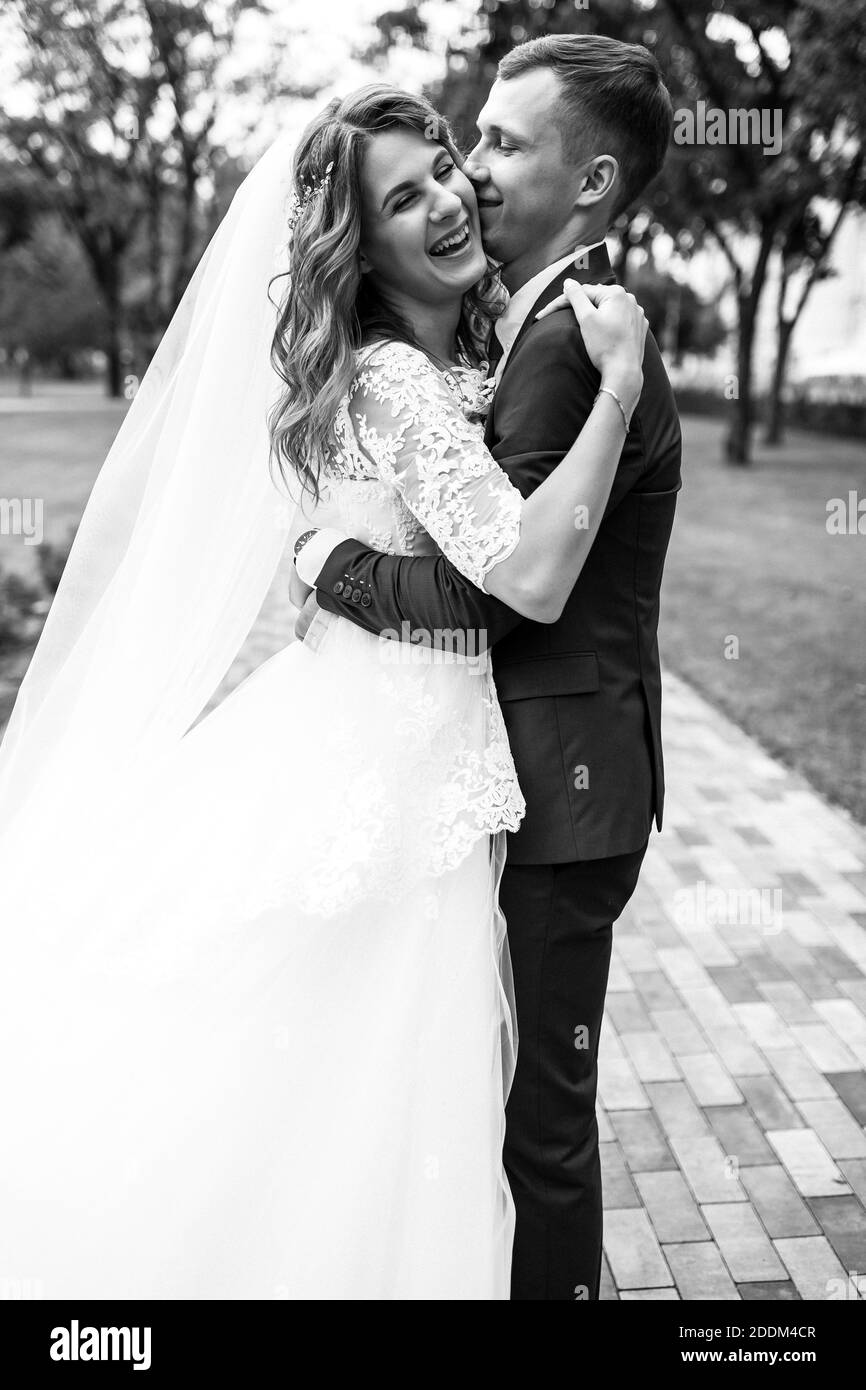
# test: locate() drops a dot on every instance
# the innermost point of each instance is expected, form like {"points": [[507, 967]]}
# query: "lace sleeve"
{"points": [[410, 425]]}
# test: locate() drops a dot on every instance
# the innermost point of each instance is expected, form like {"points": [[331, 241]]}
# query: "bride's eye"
{"points": [[445, 170], [404, 202]]}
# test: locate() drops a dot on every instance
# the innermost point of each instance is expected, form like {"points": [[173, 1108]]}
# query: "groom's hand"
{"points": [[306, 616]]}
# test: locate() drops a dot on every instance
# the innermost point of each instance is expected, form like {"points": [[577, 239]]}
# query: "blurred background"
{"points": [[127, 125]]}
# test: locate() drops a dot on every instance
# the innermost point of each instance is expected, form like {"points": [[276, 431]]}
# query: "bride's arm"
{"points": [[527, 553], [561, 518]]}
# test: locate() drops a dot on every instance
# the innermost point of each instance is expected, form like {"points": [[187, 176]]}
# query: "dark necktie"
{"points": [[494, 353]]}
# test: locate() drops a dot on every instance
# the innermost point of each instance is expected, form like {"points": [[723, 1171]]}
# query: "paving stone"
{"points": [[605, 1128], [777, 1291], [848, 1022], [763, 967], [856, 990], [700, 1272], [650, 1057], [607, 1288], [708, 1080], [635, 1256], [709, 1171], [673, 1211], [627, 1012], [836, 963], [737, 1053], [708, 1004], [813, 1266], [843, 1220], [618, 1087], [797, 1074], [655, 1295], [679, 1030], [642, 1142], [617, 1188], [808, 1162], [679, 1116], [777, 1202], [656, 990], [738, 1134], [823, 1046], [743, 1242], [835, 1126], [736, 984], [854, 1170], [763, 1025], [769, 1103], [789, 1001]]}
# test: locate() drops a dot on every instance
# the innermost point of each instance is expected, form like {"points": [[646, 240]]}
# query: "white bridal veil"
{"points": [[178, 545]]}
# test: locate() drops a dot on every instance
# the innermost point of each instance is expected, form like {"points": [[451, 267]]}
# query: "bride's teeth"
{"points": [[453, 241]]}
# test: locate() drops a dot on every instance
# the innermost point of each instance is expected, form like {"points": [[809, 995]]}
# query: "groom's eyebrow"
{"points": [[494, 129]]}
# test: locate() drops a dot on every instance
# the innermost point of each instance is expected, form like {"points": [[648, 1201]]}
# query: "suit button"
{"points": [[338, 587], [366, 600], [356, 595]]}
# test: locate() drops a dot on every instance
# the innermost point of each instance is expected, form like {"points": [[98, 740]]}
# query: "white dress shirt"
{"points": [[318, 548], [509, 324]]}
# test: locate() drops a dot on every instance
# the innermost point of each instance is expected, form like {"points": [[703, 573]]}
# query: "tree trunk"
{"points": [[776, 415], [738, 444]]}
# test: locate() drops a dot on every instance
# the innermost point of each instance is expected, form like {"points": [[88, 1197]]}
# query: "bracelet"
{"points": [[302, 540], [607, 390]]}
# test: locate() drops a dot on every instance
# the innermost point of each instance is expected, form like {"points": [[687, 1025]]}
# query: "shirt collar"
{"points": [[509, 324]]}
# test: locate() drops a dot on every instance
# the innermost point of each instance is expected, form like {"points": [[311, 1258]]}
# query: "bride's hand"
{"points": [[614, 329]]}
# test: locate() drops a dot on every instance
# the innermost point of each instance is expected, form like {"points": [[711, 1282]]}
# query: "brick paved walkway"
{"points": [[733, 1067]]}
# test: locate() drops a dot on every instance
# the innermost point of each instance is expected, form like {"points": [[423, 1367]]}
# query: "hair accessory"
{"points": [[309, 191]]}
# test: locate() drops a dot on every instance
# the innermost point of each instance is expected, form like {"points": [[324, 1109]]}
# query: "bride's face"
{"points": [[421, 236]]}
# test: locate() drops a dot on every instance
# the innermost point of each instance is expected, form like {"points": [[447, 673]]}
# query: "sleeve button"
{"points": [[366, 600], [338, 587]]}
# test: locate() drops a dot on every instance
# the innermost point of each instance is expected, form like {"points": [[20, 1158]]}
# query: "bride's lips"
{"points": [[450, 245]]}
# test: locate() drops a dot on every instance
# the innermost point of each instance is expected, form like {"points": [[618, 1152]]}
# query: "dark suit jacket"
{"points": [[581, 697]]}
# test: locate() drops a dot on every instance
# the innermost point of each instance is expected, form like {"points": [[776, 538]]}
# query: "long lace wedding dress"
{"points": [[266, 1055]]}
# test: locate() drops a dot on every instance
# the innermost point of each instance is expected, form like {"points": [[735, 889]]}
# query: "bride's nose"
{"points": [[445, 205]]}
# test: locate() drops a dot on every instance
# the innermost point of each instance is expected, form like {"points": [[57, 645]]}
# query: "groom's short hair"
{"points": [[613, 101]]}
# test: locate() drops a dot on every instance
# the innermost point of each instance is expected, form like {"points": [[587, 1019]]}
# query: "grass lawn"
{"points": [[53, 455], [751, 558]]}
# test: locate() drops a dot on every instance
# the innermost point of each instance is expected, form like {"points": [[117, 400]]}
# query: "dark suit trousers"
{"points": [[560, 926]]}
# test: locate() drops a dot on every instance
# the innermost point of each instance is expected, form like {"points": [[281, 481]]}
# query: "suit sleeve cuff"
{"points": [[314, 554]]}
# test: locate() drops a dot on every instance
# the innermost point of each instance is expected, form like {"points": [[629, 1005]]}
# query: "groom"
{"points": [[572, 131]]}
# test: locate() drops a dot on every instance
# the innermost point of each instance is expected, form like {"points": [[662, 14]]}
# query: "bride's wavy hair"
{"points": [[330, 308]]}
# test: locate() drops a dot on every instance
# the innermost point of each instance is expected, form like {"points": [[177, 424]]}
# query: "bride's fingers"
{"points": [[578, 297]]}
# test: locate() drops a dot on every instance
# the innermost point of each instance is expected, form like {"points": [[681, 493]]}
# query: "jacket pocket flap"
{"points": [[572, 673]]}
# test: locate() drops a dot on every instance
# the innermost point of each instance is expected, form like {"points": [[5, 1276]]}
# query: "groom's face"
{"points": [[526, 187]]}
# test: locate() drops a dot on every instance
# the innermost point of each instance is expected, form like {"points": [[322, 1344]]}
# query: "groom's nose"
{"points": [[474, 169]]}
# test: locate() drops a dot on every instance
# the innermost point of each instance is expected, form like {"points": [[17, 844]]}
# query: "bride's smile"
{"points": [[421, 235]]}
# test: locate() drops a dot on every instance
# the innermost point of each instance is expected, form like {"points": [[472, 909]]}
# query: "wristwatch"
{"points": [[302, 541]]}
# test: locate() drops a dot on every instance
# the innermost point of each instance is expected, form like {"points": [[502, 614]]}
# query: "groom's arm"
{"points": [[404, 594], [541, 406]]}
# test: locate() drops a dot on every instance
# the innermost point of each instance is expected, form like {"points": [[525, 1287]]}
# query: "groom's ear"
{"points": [[597, 180]]}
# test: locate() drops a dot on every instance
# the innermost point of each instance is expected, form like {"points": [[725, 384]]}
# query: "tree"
{"points": [[799, 63], [48, 309], [124, 97], [802, 59]]}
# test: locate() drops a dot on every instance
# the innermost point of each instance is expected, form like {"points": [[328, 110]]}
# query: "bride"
{"points": [[255, 1004]]}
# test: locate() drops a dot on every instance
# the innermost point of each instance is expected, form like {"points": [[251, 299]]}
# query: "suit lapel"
{"points": [[597, 271]]}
